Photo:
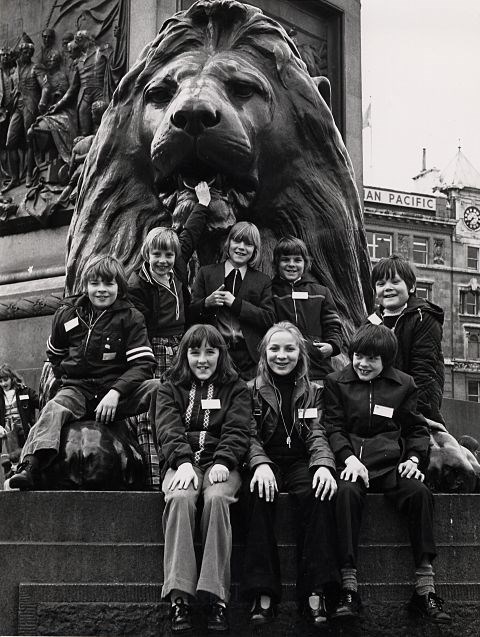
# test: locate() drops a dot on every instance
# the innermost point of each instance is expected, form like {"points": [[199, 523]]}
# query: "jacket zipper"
{"points": [[294, 304], [90, 329], [369, 416]]}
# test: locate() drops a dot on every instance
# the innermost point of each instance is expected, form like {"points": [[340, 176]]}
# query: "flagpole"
{"points": [[371, 136]]}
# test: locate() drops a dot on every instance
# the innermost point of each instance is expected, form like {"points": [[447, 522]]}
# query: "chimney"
{"points": [[424, 160]]}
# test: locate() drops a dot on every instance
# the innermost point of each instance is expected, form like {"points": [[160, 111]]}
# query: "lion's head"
{"points": [[222, 95]]}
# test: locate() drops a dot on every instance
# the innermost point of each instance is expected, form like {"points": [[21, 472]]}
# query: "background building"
{"points": [[440, 233]]}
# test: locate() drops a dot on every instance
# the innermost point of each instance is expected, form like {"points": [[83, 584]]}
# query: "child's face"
{"points": [[6, 383], [203, 360], [282, 353], [291, 266], [392, 293], [240, 252], [102, 293], [161, 261], [367, 367]]}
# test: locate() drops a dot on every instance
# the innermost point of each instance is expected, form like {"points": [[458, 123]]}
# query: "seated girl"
{"points": [[289, 452], [203, 417]]}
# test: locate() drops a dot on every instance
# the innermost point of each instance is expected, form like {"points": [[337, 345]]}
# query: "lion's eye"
{"points": [[160, 94], [242, 89]]}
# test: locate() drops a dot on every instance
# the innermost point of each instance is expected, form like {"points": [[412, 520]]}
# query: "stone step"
{"points": [[111, 516], [91, 542]]}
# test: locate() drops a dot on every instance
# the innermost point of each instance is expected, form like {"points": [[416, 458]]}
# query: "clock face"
{"points": [[471, 217]]}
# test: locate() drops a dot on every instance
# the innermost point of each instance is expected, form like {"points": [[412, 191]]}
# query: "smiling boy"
{"points": [[418, 326], [380, 443], [100, 352]]}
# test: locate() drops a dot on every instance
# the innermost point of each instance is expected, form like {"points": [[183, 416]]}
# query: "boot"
{"points": [[27, 474]]}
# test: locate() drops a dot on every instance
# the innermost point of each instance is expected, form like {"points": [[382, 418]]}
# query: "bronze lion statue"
{"points": [[223, 95]]}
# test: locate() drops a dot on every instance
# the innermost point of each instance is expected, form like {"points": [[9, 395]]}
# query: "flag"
{"points": [[367, 117]]}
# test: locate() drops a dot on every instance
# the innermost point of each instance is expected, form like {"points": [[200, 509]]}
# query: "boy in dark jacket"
{"points": [[159, 289], [300, 299], [100, 352], [418, 326], [380, 441]]}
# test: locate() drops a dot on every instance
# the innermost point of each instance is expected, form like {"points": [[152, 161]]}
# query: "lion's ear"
{"points": [[324, 88]]}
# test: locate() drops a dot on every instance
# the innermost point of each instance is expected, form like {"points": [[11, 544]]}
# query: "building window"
{"points": [[469, 302], [420, 250], [379, 244], [424, 290], [473, 391], [473, 344], [472, 258]]}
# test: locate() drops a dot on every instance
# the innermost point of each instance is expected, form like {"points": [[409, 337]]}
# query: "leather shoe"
{"points": [[180, 616], [217, 618], [429, 606], [317, 608], [260, 616], [348, 606], [26, 477]]}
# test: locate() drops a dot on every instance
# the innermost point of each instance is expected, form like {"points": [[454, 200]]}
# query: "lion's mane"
{"points": [[306, 182]]}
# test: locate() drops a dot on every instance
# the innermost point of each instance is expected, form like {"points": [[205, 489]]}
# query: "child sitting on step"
{"points": [[202, 418], [100, 352], [380, 443]]}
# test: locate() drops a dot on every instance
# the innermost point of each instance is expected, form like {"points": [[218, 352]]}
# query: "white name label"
{"points": [[69, 325], [23, 397], [211, 403], [375, 319], [310, 412], [300, 296], [381, 410]]}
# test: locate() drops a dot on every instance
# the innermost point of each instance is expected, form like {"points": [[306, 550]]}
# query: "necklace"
{"points": [[278, 396]]}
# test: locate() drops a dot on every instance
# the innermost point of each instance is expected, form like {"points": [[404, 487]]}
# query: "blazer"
{"points": [[253, 306]]}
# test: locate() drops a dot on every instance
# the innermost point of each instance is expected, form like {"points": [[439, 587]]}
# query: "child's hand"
{"points": [[203, 193], [265, 479], [325, 349], [218, 473], [216, 298], [409, 469], [184, 475], [324, 483], [106, 408], [228, 298], [355, 469]]}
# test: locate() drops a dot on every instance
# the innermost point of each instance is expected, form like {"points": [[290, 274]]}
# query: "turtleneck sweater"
{"points": [[277, 445]]}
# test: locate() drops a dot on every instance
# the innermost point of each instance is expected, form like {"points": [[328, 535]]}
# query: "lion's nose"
{"points": [[195, 117]]}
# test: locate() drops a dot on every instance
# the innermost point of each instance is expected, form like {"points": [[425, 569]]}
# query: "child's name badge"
{"points": [[309, 412], [109, 356], [300, 296], [375, 319], [23, 397], [381, 410], [211, 403], [69, 325]]}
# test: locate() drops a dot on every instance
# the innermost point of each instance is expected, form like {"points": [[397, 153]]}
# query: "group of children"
{"points": [[236, 401]]}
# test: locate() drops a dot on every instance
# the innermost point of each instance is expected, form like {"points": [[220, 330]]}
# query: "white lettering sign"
{"points": [[395, 198]]}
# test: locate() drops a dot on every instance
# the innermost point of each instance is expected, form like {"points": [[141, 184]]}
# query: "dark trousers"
{"points": [[317, 563], [411, 497]]}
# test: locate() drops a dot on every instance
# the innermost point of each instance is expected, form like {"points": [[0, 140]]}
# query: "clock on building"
{"points": [[471, 217]]}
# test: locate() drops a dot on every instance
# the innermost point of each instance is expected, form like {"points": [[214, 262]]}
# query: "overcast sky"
{"points": [[420, 69]]}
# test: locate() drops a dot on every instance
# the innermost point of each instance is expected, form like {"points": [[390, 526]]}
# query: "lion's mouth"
{"points": [[189, 175]]}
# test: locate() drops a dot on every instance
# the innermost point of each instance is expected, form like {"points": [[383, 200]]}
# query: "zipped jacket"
{"points": [[419, 331], [307, 423], [189, 430], [316, 317], [112, 352], [26, 402], [357, 410], [165, 308]]}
